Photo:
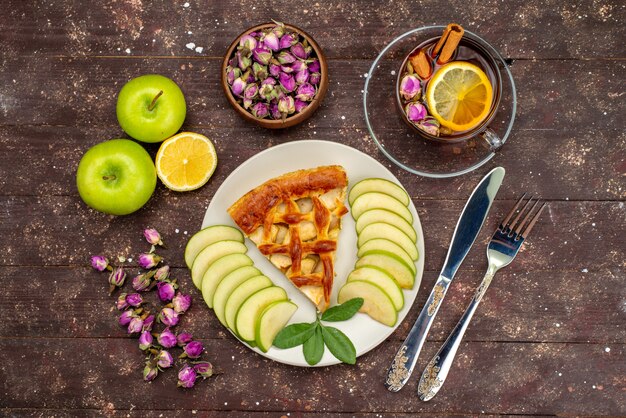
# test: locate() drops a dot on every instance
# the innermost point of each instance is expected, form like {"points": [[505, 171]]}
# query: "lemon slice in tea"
{"points": [[459, 96], [186, 161]]}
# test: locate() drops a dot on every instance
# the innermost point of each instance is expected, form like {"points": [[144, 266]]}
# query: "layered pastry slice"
{"points": [[294, 220]]}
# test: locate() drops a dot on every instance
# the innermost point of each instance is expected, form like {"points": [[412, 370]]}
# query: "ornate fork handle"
{"points": [[437, 370]]}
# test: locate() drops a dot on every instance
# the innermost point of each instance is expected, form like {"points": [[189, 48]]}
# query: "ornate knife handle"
{"points": [[406, 357], [437, 370]]}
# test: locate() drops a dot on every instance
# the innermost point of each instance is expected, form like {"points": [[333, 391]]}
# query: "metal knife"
{"points": [[465, 233]]}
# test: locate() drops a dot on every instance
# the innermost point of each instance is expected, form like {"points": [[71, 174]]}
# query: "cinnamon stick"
{"points": [[421, 64], [448, 43]]}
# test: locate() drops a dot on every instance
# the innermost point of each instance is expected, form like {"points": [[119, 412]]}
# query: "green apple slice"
{"points": [[383, 215], [211, 254], [381, 244], [388, 232], [376, 303], [375, 200], [391, 264], [383, 280], [240, 294], [207, 236], [218, 270], [228, 284], [250, 310], [381, 186], [271, 321]]}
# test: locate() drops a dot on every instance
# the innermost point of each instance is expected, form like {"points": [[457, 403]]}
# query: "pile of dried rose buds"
{"points": [[140, 322], [415, 110], [273, 73]]}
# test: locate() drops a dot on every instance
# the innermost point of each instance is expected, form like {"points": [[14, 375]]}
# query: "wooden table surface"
{"points": [[550, 336]]}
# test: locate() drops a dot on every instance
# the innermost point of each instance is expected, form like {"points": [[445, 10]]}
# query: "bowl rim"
{"points": [[291, 120]]}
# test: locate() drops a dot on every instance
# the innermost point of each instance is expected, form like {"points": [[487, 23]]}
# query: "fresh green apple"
{"points": [[239, 296], [207, 236], [376, 303], [212, 253], [271, 321], [390, 263], [218, 270], [249, 312], [116, 177], [151, 108]]}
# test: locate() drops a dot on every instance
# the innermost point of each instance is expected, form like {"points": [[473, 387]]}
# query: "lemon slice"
{"points": [[459, 96], [186, 161]]}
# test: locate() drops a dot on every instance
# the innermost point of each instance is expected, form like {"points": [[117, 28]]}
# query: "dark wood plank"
{"points": [[567, 30], [61, 230], [82, 91], [39, 161], [493, 378], [533, 306]]}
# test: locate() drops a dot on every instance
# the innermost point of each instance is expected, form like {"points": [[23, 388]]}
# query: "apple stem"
{"points": [[153, 103], [111, 177]]}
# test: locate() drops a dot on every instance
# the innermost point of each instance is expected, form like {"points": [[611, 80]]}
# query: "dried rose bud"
{"points": [[243, 60], [314, 66], [116, 278], [121, 303], [259, 71], [274, 110], [135, 325], [100, 263], [271, 41], [126, 317], [192, 350], [274, 69], [145, 340], [279, 29], [183, 339], [204, 369], [287, 69], [262, 55], [410, 87], [142, 282], [261, 110], [134, 299], [429, 125], [162, 273], [168, 317], [166, 291], [299, 51], [148, 323], [232, 74], [302, 76], [287, 82], [287, 40], [248, 42], [238, 86], [165, 359], [167, 338], [251, 91], [286, 105], [152, 236], [300, 105], [306, 92], [315, 78], [148, 260], [186, 377], [299, 65], [285, 57], [181, 302], [415, 112], [150, 372]]}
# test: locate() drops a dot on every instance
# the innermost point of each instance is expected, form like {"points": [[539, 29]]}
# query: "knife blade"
{"points": [[465, 233]]}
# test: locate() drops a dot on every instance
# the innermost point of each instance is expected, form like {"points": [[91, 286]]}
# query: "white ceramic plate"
{"points": [[364, 332]]}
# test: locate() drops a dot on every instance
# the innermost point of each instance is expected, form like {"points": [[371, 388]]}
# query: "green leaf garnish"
{"points": [[294, 335], [344, 311], [313, 348], [339, 344]]}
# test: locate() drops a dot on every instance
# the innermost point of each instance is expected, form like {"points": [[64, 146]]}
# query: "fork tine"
{"points": [[511, 213], [520, 213], [533, 221], [521, 224]]}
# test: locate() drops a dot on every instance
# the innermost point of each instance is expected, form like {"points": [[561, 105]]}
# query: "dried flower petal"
{"points": [[183, 339], [274, 110], [260, 110], [287, 82], [165, 291], [287, 40], [300, 105], [274, 69], [204, 369], [429, 125], [193, 349], [302, 76], [285, 57], [259, 71], [135, 325], [150, 372], [415, 111], [134, 299], [182, 302], [162, 273], [262, 55], [271, 41], [410, 87], [299, 51], [126, 317], [116, 278], [164, 359], [152, 236], [306, 92], [167, 338], [314, 66], [248, 42], [148, 323], [315, 78], [145, 340], [148, 260], [239, 85], [286, 105], [121, 303], [168, 317]]}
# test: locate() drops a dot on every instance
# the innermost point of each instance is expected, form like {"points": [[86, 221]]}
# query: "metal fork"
{"points": [[502, 249]]}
